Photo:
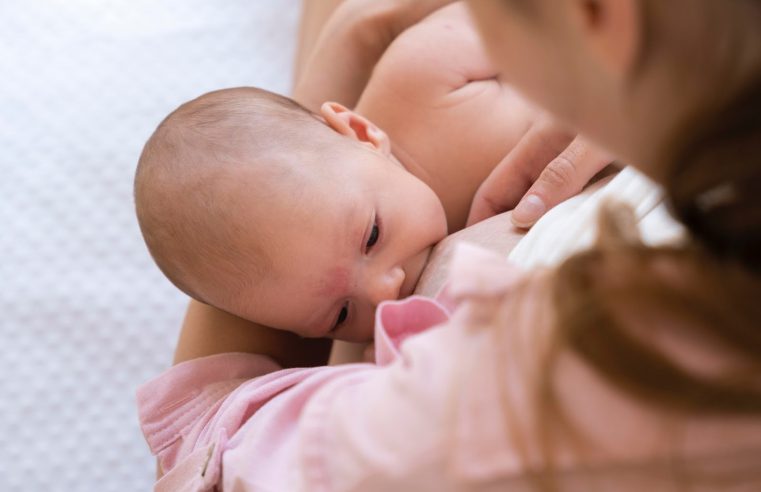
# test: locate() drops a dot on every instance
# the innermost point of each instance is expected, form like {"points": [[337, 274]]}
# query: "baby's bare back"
{"points": [[449, 118]]}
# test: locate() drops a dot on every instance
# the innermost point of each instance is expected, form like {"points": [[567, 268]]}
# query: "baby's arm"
{"points": [[314, 16], [347, 353], [430, 63], [350, 45], [207, 331]]}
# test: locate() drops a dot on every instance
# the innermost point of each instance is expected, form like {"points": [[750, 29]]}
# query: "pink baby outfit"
{"points": [[449, 407]]}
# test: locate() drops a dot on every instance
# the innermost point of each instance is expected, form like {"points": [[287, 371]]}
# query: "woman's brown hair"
{"points": [[612, 300], [710, 286]]}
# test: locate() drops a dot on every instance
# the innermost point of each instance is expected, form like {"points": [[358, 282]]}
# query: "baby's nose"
{"points": [[386, 285]]}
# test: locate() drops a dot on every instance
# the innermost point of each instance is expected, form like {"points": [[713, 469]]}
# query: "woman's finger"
{"points": [[514, 175], [561, 179]]}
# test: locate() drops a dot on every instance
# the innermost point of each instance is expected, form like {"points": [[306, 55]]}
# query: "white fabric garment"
{"points": [[572, 225]]}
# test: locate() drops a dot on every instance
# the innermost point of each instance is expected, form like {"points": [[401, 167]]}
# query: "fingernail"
{"points": [[528, 211]]}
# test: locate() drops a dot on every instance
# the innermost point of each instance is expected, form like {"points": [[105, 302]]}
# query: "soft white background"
{"points": [[85, 316]]}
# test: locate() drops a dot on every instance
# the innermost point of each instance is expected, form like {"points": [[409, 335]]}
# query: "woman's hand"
{"points": [[549, 165], [496, 233]]}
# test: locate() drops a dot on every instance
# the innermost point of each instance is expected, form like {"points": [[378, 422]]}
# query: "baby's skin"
{"points": [[311, 233], [448, 117]]}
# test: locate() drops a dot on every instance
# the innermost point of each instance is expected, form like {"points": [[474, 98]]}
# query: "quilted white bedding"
{"points": [[85, 316]]}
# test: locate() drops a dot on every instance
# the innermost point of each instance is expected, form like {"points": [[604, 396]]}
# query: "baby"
{"points": [[305, 222]]}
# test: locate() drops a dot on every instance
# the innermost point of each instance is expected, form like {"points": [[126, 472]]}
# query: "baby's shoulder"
{"points": [[436, 56]]}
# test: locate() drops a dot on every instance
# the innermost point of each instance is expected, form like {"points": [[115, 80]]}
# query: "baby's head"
{"points": [[302, 222]]}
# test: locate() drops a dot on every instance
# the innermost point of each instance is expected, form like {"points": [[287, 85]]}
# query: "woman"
{"points": [[625, 368]]}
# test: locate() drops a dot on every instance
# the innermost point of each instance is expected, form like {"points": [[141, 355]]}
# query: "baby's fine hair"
{"points": [[194, 159]]}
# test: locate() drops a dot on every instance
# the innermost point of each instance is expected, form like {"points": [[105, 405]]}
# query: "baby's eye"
{"points": [[341, 316], [373, 237]]}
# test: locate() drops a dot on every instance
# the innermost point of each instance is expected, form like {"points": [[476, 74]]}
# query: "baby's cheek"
{"points": [[335, 282], [429, 220], [438, 225]]}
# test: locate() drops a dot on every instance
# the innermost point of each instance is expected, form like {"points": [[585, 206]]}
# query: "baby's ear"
{"points": [[350, 124]]}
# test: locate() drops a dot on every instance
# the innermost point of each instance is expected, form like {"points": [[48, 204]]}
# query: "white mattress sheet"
{"points": [[85, 316]]}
